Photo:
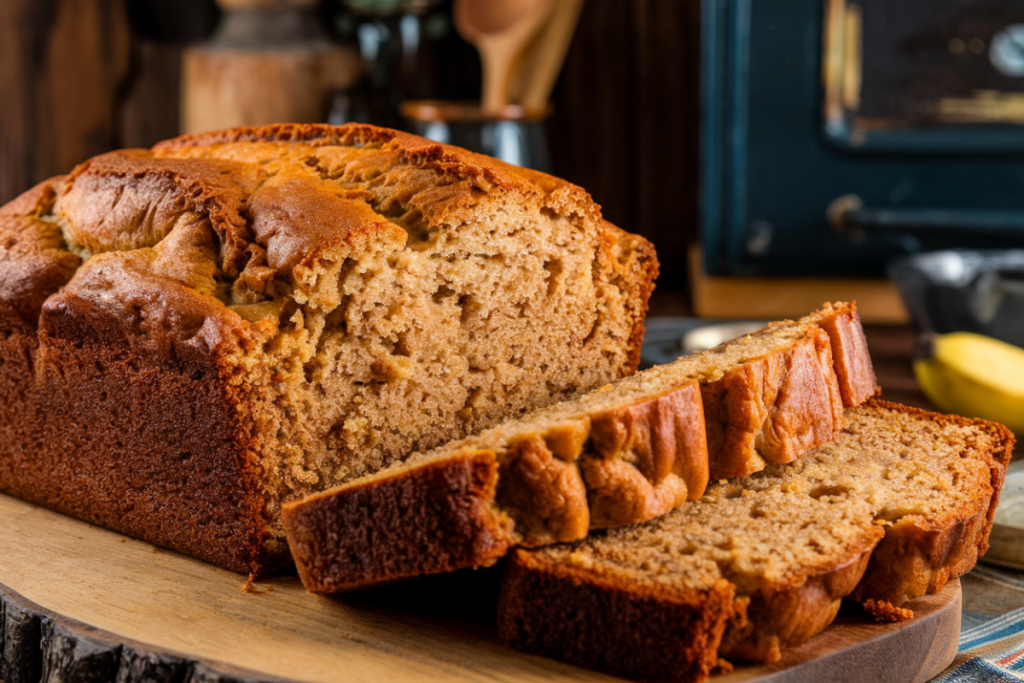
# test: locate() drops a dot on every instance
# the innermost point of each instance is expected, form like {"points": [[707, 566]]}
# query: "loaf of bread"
{"points": [[194, 334], [761, 562], [620, 455]]}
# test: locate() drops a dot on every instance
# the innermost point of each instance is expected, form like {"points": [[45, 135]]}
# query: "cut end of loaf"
{"points": [[546, 609], [410, 521]]}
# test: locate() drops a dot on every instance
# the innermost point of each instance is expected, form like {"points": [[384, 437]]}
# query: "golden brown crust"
{"points": [[72, 372], [459, 177], [644, 458], [33, 261], [919, 556], [438, 520], [773, 408], [575, 615], [775, 614], [445, 158], [130, 200], [849, 353], [621, 247], [913, 556], [665, 441], [789, 615], [544, 492], [167, 401]]}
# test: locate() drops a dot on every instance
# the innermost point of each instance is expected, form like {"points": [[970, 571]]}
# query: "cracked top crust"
{"points": [[33, 260], [239, 218], [242, 218]]}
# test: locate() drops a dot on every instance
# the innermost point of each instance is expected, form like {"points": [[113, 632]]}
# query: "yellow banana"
{"points": [[976, 376]]}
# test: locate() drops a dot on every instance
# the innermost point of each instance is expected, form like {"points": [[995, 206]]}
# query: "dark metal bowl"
{"points": [[961, 290]]}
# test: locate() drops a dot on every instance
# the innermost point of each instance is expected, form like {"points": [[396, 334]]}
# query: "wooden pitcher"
{"points": [[269, 62]]}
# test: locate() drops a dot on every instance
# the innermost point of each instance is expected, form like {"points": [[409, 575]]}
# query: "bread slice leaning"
{"points": [[896, 505], [620, 455]]}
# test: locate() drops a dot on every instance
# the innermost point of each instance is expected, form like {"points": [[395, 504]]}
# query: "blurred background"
{"points": [[80, 77], [778, 153]]}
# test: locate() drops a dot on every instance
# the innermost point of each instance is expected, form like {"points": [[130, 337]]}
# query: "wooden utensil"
{"points": [[543, 58], [499, 29]]}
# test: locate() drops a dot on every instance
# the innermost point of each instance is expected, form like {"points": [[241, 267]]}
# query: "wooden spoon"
{"points": [[499, 29], [542, 60]]}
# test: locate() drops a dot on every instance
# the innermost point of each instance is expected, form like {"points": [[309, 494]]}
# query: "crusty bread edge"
{"points": [[427, 518], [570, 612], [785, 616], [643, 270], [430, 519], [916, 559]]}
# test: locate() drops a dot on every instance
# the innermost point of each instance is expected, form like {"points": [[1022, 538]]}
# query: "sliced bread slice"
{"points": [[932, 480], [790, 541], [786, 561], [620, 455]]}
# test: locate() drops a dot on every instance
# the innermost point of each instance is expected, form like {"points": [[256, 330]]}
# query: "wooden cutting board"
{"points": [[101, 602]]}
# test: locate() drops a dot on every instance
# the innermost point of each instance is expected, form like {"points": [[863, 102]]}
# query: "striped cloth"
{"points": [[991, 645]]}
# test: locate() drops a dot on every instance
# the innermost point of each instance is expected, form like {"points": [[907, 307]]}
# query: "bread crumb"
{"points": [[884, 611], [722, 666], [252, 588], [354, 430], [580, 560]]}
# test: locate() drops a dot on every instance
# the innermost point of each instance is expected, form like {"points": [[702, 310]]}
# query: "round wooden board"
{"points": [[107, 607]]}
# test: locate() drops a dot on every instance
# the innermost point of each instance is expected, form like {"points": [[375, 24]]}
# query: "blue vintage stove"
{"points": [[840, 134]]}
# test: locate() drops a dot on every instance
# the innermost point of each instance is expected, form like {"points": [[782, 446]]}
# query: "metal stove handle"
{"points": [[847, 214]]}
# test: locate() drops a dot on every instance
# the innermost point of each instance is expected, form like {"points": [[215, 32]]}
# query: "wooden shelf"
{"points": [[764, 298]]}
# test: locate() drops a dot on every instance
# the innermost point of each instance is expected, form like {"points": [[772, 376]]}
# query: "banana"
{"points": [[975, 376]]}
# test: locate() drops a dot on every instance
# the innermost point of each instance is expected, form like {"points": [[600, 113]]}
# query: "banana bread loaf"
{"points": [[760, 562], [620, 455], [194, 334]]}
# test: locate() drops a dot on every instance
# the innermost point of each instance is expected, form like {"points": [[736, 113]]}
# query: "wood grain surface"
{"points": [[106, 607]]}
